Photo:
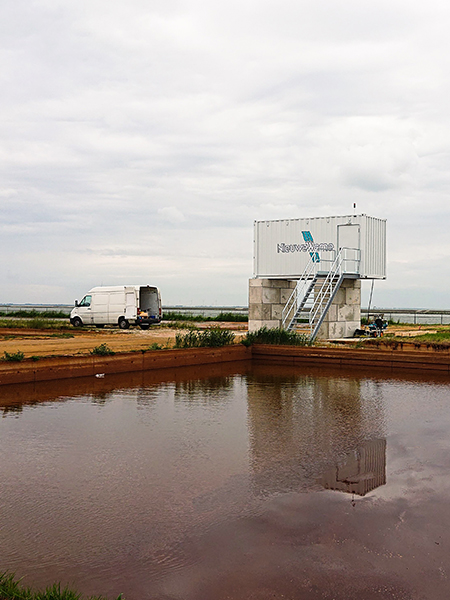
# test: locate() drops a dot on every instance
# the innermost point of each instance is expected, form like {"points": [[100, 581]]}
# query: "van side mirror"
{"points": [[76, 302]]}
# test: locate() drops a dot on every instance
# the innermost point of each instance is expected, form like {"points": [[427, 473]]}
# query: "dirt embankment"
{"points": [[73, 342], [83, 341]]}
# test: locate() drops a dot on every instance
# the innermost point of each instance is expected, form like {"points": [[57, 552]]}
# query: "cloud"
{"points": [[181, 123], [171, 214]]}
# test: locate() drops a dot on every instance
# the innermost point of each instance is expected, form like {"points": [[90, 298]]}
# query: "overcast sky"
{"points": [[140, 140]]}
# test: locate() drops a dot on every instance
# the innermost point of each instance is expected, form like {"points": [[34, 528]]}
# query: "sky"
{"points": [[139, 141]]}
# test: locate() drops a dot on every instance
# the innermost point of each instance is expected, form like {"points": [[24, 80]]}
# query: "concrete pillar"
{"points": [[266, 300], [344, 316]]}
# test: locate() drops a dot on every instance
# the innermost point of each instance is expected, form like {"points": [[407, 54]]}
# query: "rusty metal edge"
{"points": [[65, 367]]}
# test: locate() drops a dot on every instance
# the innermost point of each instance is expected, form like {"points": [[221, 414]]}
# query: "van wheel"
{"points": [[77, 322], [123, 324], [144, 326]]}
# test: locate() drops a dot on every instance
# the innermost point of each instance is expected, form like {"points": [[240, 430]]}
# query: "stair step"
{"points": [[311, 299]]}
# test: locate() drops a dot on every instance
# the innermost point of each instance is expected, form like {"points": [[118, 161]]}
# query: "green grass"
{"points": [[155, 346], [63, 335], [276, 336], [231, 317], [13, 357], [221, 317], [436, 341], [439, 336], [102, 350], [34, 323], [30, 314], [12, 589], [209, 338]]}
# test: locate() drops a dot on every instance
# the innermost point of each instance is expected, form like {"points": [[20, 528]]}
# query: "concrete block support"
{"points": [[344, 316], [267, 298]]}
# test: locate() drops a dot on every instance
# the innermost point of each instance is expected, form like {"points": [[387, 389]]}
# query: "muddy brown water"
{"points": [[229, 482]]}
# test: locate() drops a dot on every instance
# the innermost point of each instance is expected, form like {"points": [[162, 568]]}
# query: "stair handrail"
{"points": [[327, 289], [290, 308], [334, 271], [334, 276], [315, 326]]}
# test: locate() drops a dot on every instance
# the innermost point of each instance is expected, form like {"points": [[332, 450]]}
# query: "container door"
{"points": [[130, 303], [349, 241]]}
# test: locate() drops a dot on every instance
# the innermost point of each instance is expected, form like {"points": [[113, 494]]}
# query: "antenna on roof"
{"points": [[354, 208]]}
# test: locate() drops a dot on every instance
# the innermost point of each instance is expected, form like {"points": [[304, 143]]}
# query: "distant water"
{"points": [[229, 482], [418, 316]]}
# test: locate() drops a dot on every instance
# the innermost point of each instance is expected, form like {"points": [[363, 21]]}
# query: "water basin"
{"points": [[233, 481]]}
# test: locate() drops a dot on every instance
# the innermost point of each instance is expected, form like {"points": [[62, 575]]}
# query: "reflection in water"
{"points": [[363, 470], [203, 388], [12, 409], [301, 426], [13, 397]]}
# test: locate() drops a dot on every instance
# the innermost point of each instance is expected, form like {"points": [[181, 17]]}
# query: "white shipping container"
{"points": [[282, 249]]}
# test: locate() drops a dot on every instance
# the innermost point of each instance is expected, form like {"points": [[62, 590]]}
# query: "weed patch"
{"points": [[102, 350], [209, 338], [11, 589], [40, 323], [155, 346], [13, 356], [434, 341], [64, 335], [276, 336], [439, 336]]}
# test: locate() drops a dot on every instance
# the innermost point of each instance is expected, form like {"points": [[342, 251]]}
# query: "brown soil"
{"points": [[51, 343]]}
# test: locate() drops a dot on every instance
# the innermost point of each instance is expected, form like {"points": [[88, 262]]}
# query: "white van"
{"points": [[121, 305]]}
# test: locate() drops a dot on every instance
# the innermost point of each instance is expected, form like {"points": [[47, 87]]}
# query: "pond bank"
{"points": [[64, 367], [386, 359]]}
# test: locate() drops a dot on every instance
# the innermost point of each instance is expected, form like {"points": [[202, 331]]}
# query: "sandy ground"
{"points": [[408, 332], [51, 343]]}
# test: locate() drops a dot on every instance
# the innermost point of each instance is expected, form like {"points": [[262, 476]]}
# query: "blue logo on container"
{"points": [[307, 236]]}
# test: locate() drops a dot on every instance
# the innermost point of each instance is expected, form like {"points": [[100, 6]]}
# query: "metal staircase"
{"points": [[315, 291]]}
